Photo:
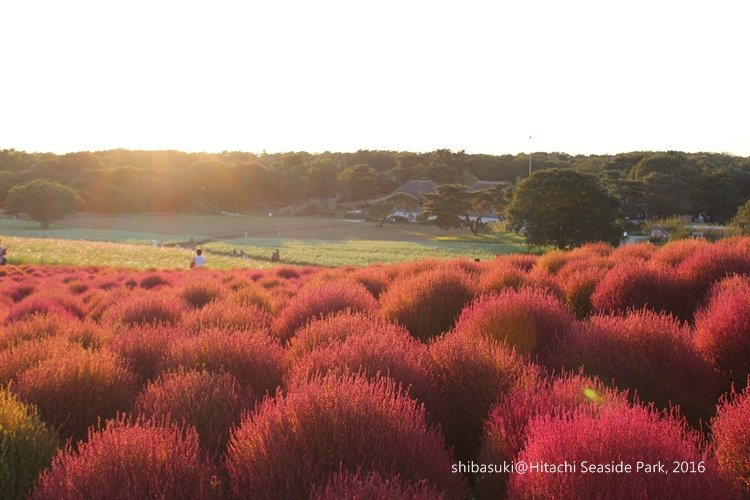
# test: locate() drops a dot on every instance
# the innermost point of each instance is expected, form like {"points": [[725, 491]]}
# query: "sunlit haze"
{"points": [[582, 77]]}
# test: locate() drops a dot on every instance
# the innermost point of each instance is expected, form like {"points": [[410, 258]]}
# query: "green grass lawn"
{"points": [[117, 242]]}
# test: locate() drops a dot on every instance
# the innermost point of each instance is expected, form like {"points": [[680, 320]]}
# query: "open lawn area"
{"points": [[126, 241]]}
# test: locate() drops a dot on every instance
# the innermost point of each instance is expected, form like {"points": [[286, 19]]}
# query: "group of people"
{"points": [[199, 260], [3, 253]]}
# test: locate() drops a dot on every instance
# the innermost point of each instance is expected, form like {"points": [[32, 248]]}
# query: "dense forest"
{"points": [[652, 183]]}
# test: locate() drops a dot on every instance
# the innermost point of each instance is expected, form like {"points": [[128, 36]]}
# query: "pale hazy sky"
{"points": [[579, 76]]}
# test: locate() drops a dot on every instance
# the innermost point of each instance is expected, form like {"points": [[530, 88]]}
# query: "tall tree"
{"points": [[565, 208], [43, 201], [360, 181], [397, 201], [451, 205]]}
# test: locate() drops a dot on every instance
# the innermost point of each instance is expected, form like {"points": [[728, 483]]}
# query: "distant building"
{"points": [[416, 187]]}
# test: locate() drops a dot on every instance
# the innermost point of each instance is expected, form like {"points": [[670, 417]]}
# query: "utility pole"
{"points": [[529, 156]]}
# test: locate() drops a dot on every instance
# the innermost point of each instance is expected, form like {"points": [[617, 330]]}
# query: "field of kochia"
{"points": [[382, 381]]}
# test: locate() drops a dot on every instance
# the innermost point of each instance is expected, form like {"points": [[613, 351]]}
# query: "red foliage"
{"points": [[314, 302], [37, 326], [472, 373], [614, 434], [373, 486], [428, 303], [633, 254], [579, 286], [43, 303], [131, 460], [255, 296], [76, 388], [145, 309], [723, 328], [144, 346], [212, 403], [334, 425], [501, 276], [19, 292], [529, 320], [732, 440], [710, 264], [649, 353], [228, 316], [153, 280], [256, 360], [675, 252], [20, 357], [201, 289]]}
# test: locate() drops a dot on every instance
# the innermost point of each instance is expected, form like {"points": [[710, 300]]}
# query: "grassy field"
{"points": [[126, 241]]}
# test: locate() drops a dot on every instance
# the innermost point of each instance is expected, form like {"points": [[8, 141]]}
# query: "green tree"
{"points": [[360, 181], [565, 208], [323, 178], [386, 206], [44, 201], [742, 220], [451, 205]]}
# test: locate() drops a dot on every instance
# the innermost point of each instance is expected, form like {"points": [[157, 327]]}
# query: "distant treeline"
{"points": [[650, 183]]}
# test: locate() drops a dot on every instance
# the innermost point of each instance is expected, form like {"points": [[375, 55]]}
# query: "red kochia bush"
{"points": [[428, 303], [635, 286], [732, 439], [24, 355], [314, 302], [505, 429], [212, 403], [578, 288], [65, 306], [529, 320], [37, 326], [375, 487], [649, 353], [226, 315], [501, 276], [712, 263], [201, 289], [76, 388], [295, 443], [154, 280], [131, 460], [144, 346], [472, 373], [399, 356], [256, 360], [628, 434], [145, 309], [723, 329]]}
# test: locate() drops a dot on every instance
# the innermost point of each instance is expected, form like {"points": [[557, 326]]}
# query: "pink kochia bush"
{"points": [[650, 353], [614, 434], [227, 315], [144, 346], [732, 439], [428, 303], [256, 360], [529, 320], [505, 428], [375, 487], [142, 309], [210, 402], [131, 460], [723, 329], [66, 306], [201, 289], [315, 302], [76, 388], [472, 373], [297, 442]]}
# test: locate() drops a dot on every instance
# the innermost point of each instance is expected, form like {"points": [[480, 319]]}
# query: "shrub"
{"points": [[256, 360], [505, 429], [255, 296], [212, 403], [199, 291], [35, 327], [614, 434], [529, 320], [144, 346], [428, 303], [19, 292], [675, 252], [373, 486], [395, 354], [24, 355], [500, 277], [76, 388], [67, 307], [331, 426], [578, 288], [472, 373], [634, 254], [732, 440], [723, 329], [314, 302], [145, 309], [131, 460], [712, 263], [225, 315], [287, 272], [373, 278], [26, 446], [648, 352], [154, 280]]}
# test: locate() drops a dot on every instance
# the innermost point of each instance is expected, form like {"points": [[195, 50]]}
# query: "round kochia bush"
{"points": [[131, 460], [201, 289], [26, 446], [375, 487], [472, 373], [143, 309], [315, 302], [76, 388], [614, 434], [723, 329], [226, 315], [212, 403], [732, 439], [529, 320], [428, 303], [649, 353], [144, 346], [297, 442]]}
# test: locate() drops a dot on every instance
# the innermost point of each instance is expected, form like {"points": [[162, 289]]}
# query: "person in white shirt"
{"points": [[199, 260]]}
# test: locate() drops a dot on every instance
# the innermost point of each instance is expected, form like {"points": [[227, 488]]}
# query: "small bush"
{"points": [[320, 301], [428, 303], [212, 403], [332, 426], [373, 486], [732, 439], [68, 307], [257, 297], [199, 291], [75, 389], [145, 309], [228, 316], [710, 264], [34, 327], [24, 355], [500, 277], [472, 373], [144, 346], [612, 435], [578, 288], [131, 460], [154, 280], [26, 446]]}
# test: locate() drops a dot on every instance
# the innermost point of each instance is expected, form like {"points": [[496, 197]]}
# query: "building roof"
{"points": [[416, 187]]}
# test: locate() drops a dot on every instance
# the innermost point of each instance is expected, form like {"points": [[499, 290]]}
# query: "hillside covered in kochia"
{"points": [[655, 183]]}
